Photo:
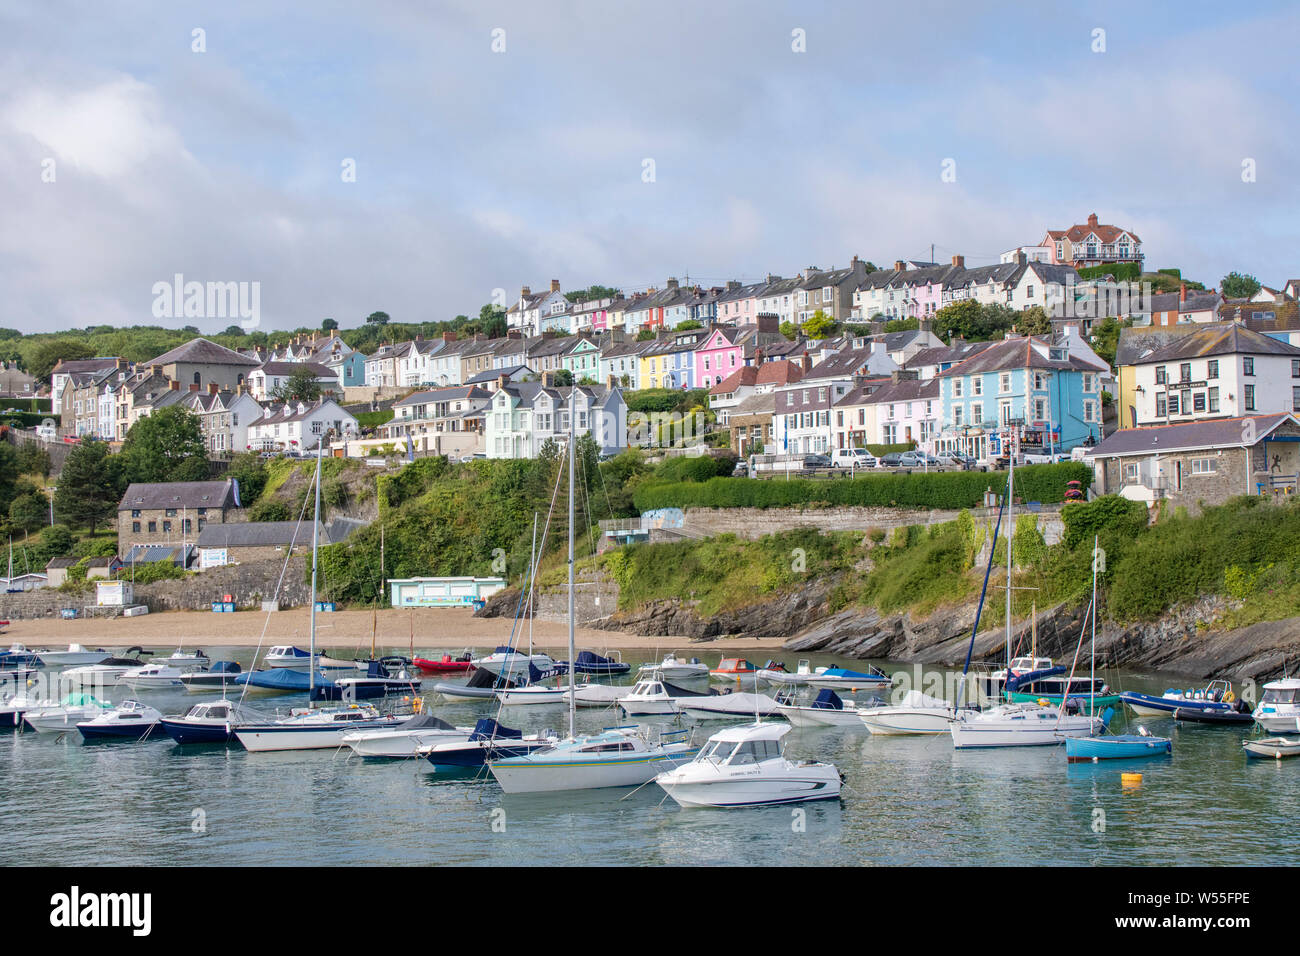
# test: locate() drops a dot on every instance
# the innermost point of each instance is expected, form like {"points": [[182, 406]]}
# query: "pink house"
{"points": [[718, 356]]}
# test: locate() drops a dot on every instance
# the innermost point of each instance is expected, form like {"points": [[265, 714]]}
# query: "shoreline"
{"points": [[433, 628]]}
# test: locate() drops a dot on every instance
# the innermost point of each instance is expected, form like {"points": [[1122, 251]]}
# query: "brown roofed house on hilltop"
{"points": [[1093, 244], [749, 380]]}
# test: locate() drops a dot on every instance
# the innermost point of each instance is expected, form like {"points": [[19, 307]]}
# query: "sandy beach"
{"points": [[441, 628]]}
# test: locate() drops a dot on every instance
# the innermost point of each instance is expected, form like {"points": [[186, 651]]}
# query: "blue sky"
{"points": [[481, 170]]}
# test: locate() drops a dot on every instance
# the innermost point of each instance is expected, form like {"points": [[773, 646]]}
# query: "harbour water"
{"points": [[905, 801]]}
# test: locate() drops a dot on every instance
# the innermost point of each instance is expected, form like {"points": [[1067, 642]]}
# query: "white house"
{"points": [[524, 415], [267, 378], [300, 426]]}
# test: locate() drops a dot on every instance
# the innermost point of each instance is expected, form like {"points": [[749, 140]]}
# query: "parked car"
{"points": [[816, 461], [1046, 459], [854, 458], [918, 459], [893, 460], [955, 459]]}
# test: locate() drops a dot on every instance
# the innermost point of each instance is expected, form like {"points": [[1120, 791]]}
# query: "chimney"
{"points": [[525, 292], [899, 265], [672, 283], [502, 379], [955, 341], [758, 357], [213, 388], [768, 322], [514, 334], [121, 363], [805, 362], [1182, 292], [1092, 220], [924, 325], [959, 262], [174, 385], [449, 336], [612, 381], [155, 369], [479, 337], [194, 386], [548, 379], [1021, 258], [771, 278], [732, 285], [555, 285]]}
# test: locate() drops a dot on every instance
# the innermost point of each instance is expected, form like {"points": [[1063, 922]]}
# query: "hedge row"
{"points": [[940, 490]]}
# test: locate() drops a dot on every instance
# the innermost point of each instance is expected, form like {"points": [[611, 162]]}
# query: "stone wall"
{"points": [[250, 583], [756, 522]]}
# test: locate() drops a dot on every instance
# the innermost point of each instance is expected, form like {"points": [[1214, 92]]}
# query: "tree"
{"points": [[33, 459], [493, 321], [301, 386], [645, 335], [1034, 321], [165, 446], [329, 325], [1105, 338], [591, 293], [690, 324], [973, 321], [46, 355], [234, 331], [88, 489], [819, 326], [789, 330], [563, 377], [29, 512], [1237, 286], [377, 318]]}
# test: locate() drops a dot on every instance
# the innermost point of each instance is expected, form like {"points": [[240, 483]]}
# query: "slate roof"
{"points": [[1218, 339], [177, 494], [887, 390], [1013, 354], [288, 368], [203, 352], [264, 534], [449, 394], [1188, 436]]}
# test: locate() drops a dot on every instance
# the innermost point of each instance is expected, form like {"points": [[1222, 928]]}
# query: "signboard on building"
{"points": [[213, 558], [114, 594]]}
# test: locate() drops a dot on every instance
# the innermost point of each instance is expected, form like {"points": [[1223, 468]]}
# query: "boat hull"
{"points": [[187, 732], [1148, 705], [401, 744], [975, 734], [476, 753], [1089, 704], [525, 696], [1272, 748], [758, 791], [268, 738], [820, 716], [1124, 747], [529, 775], [139, 730], [906, 721]]}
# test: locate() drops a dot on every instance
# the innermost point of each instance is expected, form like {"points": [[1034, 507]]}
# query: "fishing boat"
{"points": [[1276, 748], [827, 710], [917, 714], [1239, 715], [746, 767], [406, 739], [588, 662], [1280, 705], [736, 671], [445, 665], [1217, 695], [488, 741], [151, 676], [66, 714], [129, 720], [733, 706], [74, 656], [1117, 747], [221, 676], [209, 722], [775, 673], [617, 757], [674, 667], [844, 679]]}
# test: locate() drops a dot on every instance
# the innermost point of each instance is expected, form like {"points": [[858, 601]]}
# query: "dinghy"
{"points": [[733, 706], [445, 665], [915, 715], [1117, 747], [1227, 718], [1276, 748]]}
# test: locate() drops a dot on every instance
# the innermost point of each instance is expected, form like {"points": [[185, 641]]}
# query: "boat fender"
{"points": [[1229, 697]]}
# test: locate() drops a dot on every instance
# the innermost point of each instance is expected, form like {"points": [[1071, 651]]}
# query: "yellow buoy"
{"points": [[1130, 779]]}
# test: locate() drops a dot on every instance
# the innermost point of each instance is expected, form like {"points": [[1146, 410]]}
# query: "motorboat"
{"points": [[1238, 716], [66, 714], [535, 691], [1056, 686], [1117, 747], [129, 720], [488, 741], [841, 678], [915, 715], [405, 739], [295, 658], [74, 656], [775, 673], [1280, 705], [1023, 725], [616, 757], [673, 667], [598, 695], [735, 671], [1276, 748], [992, 684], [445, 665], [18, 656], [182, 658], [826, 710], [219, 677], [209, 722], [378, 682], [511, 664], [746, 767], [648, 697], [312, 729], [1217, 695], [150, 676], [588, 662], [102, 675], [14, 706], [733, 706]]}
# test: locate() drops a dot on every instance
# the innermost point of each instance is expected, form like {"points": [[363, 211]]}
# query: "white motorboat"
{"points": [[533, 694], [617, 757], [915, 714], [151, 676], [14, 706], [598, 695], [746, 767], [295, 658], [182, 658], [407, 738], [313, 729], [1279, 708], [514, 665], [209, 722], [1021, 725], [734, 706], [843, 679], [129, 720], [66, 714], [647, 698], [101, 675], [673, 667], [827, 710], [779, 675], [221, 676], [74, 656]]}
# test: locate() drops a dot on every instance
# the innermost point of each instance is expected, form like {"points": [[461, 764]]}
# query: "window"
{"points": [[1089, 412], [1004, 382], [135, 512], [1212, 369], [1248, 365], [1203, 466], [1295, 368], [1250, 397], [1295, 399], [956, 388], [1130, 473], [1198, 402], [135, 526], [1185, 372], [1173, 403], [1160, 375], [171, 512], [167, 527], [1214, 399], [956, 416], [977, 386], [977, 414]]}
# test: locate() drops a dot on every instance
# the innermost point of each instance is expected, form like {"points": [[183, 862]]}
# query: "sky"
{"points": [[422, 158]]}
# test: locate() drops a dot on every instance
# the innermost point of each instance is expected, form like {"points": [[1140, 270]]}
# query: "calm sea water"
{"points": [[906, 801]]}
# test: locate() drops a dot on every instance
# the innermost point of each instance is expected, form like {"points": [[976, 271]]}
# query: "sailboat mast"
{"points": [[1093, 650], [532, 583], [315, 545], [573, 409], [1011, 536]]}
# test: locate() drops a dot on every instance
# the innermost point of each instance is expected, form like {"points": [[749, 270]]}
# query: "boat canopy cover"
{"points": [[77, 700], [674, 691], [282, 678], [225, 667], [759, 731], [482, 677], [376, 669], [828, 700], [589, 657], [914, 698], [294, 652], [425, 722], [487, 728], [844, 672], [1014, 682]]}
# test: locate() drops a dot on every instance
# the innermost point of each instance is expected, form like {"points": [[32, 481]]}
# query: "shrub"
{"points": [[1084, 520]]}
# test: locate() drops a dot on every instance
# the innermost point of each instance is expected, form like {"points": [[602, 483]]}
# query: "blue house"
{"points": [[1047, 390]]}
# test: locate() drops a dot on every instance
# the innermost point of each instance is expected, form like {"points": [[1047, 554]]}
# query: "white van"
{"points": [[853, 458]]}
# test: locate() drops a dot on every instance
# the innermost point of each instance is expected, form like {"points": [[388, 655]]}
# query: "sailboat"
{"points": [[308, 728], [1019, 724], [616, 757]]}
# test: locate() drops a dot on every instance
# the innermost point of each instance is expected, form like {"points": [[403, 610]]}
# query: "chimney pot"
{"points": [[899, 265], [525, 292], [194, 386], [213, 388], [1092, 219], [555, 285], [959, 262]]}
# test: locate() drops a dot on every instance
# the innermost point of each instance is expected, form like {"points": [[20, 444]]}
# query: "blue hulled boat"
{"points": [[490, 741], [1217, 697], [1118, 747], [589, 663], [212, 722]]}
